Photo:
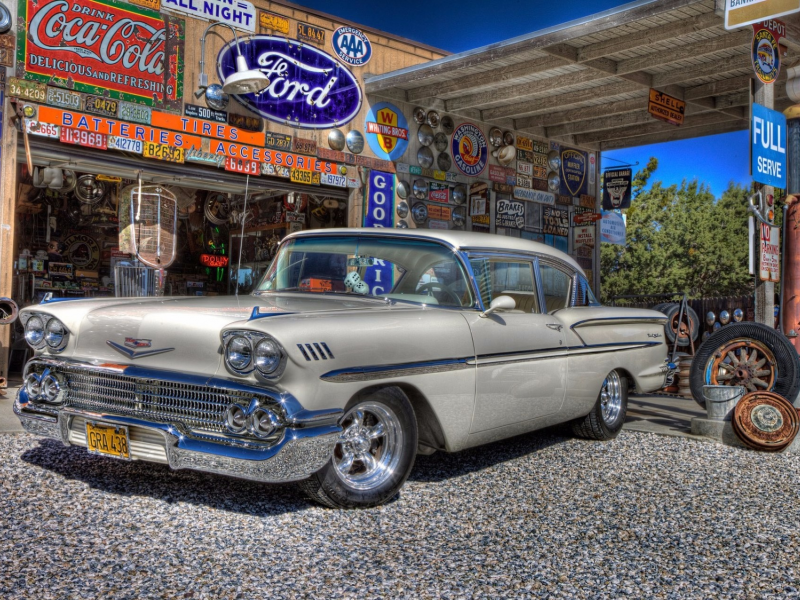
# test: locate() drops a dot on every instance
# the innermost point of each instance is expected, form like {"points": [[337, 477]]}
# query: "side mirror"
{"points": [[501, 303]]}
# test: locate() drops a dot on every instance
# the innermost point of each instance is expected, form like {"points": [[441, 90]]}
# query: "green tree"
{"points": [[679, 239]]}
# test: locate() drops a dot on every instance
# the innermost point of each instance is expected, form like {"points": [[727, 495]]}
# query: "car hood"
{"points": [[186, 331]]}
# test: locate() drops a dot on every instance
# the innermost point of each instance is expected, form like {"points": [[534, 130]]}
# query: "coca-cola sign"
{"points": [[308, 88], [99, 46]]}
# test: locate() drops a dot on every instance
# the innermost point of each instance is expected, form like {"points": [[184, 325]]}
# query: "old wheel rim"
{"points": [[611, 398], [744, 362], [369, 446]]}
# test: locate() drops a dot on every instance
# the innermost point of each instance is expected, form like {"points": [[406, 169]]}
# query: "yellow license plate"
{"points": [[108, 440], [163, 152]]}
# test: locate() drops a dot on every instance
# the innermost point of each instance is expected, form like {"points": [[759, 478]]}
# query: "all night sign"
{"points": [[96, 45]]}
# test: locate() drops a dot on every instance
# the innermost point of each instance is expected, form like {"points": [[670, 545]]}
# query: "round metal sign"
{"points": [[355, 142], [765, 421], [336, 140], [419, 213], [387, 131], [420, 189], [402, 188], [425, 157], [352, 46], [308, 88], [459, 194], [402, 209], [470, 151], [425, 135]]}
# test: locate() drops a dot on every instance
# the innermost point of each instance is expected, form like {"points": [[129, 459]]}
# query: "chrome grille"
{"points": [[199, 408]]}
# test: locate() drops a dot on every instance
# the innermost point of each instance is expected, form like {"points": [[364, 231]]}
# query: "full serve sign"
{"points": [[768, 146]]}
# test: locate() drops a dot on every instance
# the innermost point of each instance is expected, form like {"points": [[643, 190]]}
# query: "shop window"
{"points": [[501, 277], [556, 285]]}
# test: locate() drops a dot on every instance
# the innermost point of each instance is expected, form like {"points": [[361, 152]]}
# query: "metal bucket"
{"points": [[721, 400]]}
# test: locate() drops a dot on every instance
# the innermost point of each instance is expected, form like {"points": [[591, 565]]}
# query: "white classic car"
{"points": [[359, 349]]}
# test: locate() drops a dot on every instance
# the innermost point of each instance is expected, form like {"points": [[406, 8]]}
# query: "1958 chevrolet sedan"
{"points": [[359, 349]]}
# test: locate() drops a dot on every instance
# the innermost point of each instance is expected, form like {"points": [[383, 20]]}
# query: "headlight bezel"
{"points": [[254, 338], [46, 320]]}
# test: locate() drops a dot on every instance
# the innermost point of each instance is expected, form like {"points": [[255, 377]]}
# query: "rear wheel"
{"points": [[608, 415], [373, 456]]}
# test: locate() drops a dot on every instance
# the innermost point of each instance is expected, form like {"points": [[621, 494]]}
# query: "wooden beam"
{"points": [[730, 100], [649, 36], [549, 37], [738, 39], [671, 136], [532, 88], [576, 114], [718, 88], [654, 127], [540, 105], [719, 67], [488, 79]]}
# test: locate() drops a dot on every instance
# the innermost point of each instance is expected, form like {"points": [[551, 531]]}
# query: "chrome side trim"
{"points": [[134, 354], [257, 314], [618, 320], [370, 373]]}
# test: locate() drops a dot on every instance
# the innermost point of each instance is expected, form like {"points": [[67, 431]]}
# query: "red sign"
{"points": [[213, 260], [81, 137], [238, 165], [500, 174], [587, 217], [99, 45]]}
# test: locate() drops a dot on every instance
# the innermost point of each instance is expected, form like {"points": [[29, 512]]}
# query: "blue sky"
{"points": [[459, 26]]}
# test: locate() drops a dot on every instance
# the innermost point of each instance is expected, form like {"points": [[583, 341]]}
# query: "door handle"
{"points": [[555, 326]]}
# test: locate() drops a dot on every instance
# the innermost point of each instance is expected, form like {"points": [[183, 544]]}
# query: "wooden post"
{"points": [[765, 290]]}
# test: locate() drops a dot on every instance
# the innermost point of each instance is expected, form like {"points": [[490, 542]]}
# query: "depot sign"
{"points": [[768, 146]]}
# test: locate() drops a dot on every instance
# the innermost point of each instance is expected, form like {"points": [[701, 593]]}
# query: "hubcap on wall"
{"points": [[369, 446]]}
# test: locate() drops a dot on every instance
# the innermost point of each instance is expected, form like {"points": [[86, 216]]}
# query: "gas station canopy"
{"points": [[587, 82]]}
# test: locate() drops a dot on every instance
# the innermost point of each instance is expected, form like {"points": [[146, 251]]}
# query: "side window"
{"points": [[506, 277], [583, 293], [556, 285]]}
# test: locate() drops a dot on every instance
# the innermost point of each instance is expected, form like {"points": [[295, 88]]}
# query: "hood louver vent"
{"points": [[315, 351]]}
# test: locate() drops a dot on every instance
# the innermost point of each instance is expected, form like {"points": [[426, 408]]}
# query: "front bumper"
{"points": [[302, 447]]}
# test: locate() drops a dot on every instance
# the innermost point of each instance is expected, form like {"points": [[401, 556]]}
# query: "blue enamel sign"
{"points": [[768, 146], [308, 88], [387, 131], [352, 46], [380, 213]]}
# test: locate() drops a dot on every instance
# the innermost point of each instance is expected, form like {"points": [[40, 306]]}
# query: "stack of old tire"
{"points": [[763, 361], [682, 329]]}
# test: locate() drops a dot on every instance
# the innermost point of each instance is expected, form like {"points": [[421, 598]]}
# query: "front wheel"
{"points": [[608, 415], [373, 456]]}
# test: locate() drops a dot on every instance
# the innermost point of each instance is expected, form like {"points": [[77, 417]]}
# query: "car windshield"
{"points": [[402, 269]]}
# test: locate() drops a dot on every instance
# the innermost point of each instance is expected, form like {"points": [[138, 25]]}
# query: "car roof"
{"points": [[462, 240]]}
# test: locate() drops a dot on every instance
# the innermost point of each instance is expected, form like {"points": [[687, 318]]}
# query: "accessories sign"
{"points": [[95, 46], [308, 88]]}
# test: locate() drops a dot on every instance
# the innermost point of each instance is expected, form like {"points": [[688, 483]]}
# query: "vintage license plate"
{"points": [[63, 98], [276, 170], [28, 90], [42, 129], [245, 122], [331, 179], [238, 165], [135, 113], [125, 144], [276, 141], [108, 440], [101, 106], [304, 146], [81, 137], [303, 176], [163, 152]]}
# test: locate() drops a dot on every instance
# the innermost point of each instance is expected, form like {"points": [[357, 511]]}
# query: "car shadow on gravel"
{"points": [[159, 482], [441, 466]]}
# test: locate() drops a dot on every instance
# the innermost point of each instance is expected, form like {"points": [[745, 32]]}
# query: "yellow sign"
{"points": [[268, 20], [739, 13], [152, 4], [666, 108], [524, 143], [163, 152], [303, 176]]}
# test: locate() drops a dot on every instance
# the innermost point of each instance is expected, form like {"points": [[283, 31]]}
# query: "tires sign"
{"points": [[352, 46]]}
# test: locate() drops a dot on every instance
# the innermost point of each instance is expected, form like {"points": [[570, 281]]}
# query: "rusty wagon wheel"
{"points": [[747, 354]]}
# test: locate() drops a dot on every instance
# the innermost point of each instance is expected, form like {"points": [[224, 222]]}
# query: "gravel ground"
{"points": [[541, 515]]}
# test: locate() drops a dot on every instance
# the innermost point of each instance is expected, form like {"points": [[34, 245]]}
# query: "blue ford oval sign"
{"points": [[352, 46], [308, 88]]}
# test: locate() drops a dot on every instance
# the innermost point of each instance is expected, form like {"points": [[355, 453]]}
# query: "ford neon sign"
{"points": [[308, 88]]}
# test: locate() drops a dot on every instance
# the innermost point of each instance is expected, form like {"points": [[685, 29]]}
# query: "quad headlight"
{"points": [[248, 351], [42, 331]]}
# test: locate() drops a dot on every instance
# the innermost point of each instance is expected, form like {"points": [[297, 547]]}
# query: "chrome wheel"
{"points": [[369, 446], [611, 398]]}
